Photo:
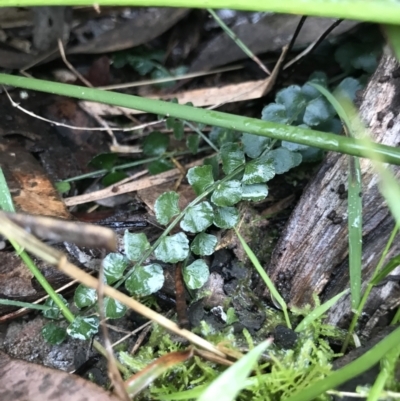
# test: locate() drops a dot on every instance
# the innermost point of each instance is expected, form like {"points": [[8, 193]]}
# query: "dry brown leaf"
{"points": [[29, 186], [21, 381]]}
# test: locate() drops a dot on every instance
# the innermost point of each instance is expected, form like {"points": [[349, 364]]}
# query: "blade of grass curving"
{"points": [[392, 32], [6, 202], [268, 282], [238, 42], [396, 318], [388, 185], [254, 126], [388, 366], [382, 11], [354, 206], [375, 279], [319, 311], [7, 205], [353, 369], [229, 383], [26, 305], [389, 267]]}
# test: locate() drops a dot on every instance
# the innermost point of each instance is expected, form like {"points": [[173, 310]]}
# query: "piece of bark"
{"points": [[312, 254]]}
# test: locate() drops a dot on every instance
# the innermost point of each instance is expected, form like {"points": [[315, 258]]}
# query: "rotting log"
{"points": [[312, 253]]}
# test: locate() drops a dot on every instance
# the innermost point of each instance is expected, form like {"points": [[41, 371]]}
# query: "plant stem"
{"points": [[372, 10], [254, 126]]}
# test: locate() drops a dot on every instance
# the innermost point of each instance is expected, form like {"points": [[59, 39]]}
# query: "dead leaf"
{"points": [[21, 381], [146, 376]]}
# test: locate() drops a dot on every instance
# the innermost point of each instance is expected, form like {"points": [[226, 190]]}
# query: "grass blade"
{"points": [[382, 11], [354, 206], [254, 126], [230, 382], [270, 285], [353, 369], [319, 311]]}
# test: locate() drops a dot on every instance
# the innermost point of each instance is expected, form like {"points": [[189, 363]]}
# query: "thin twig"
{"points": [[237, 40], [313, 45], [130, 187], [70, 66], [16, 105], [113, 372], [169, 79], [143, 326]]}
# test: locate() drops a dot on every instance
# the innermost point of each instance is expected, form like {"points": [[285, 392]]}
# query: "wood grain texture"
{"points": [[312, 254]]}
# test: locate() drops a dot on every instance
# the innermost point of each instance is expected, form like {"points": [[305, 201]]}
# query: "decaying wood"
{"points": [[312, 254]]}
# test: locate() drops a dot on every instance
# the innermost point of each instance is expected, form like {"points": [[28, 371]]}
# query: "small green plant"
{"points": [[247, 162], [145, 62]]}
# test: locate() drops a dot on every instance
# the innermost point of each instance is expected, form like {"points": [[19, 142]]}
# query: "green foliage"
{"points": [[226, 217], [230, 382], [232, 157], [53, 333], [146, 280], [227, 193], [166, 207], [104, 161], [155, 144], [254, 145], [173, 249], [283, 373], [53, 311], [258, 171], [84, 296], [145, 61], [200, 178], [62, 187], [176, 126], [192, 142], [204, 244], [113, 309], [135, 245], [254, 192], [196, 274], [197, 218], [114, 265], [83, 327]]}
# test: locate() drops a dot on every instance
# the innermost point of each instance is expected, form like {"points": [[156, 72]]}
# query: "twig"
{"points": [[113, 372], [130, 187], [143, 326], [313, 45], [169, 79], [16, 105], [71, 67], [140, 339]]}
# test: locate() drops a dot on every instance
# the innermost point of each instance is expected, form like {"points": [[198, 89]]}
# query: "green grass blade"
{"points": [[268, 282], [387, 269], [237, 40], [229, 383], [354, 206], [6, 202], [382, 11], [388, 185], [353, 369], [20, 304], [319, 311], [392, 33], [255, 126]]}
